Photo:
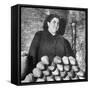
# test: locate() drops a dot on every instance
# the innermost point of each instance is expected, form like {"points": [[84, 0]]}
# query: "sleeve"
{"points": [[33, 51], [69, 51]]}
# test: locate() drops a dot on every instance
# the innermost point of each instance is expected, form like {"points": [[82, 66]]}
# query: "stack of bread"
{"points": [[65, 68]]}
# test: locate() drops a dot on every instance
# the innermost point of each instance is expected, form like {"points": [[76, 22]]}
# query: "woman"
{"points": [[49, 42]]}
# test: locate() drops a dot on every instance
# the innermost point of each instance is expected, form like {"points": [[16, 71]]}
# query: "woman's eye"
{"points": [[54, 22]]}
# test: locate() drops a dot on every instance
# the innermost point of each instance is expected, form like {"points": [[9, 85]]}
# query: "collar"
{"points": [[53, 36]]}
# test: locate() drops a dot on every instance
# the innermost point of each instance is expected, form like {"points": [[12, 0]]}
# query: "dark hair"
{"points": [[62, 23]]}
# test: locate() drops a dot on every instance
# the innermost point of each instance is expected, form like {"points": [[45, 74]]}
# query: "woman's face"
{"points": [[53, 25]]}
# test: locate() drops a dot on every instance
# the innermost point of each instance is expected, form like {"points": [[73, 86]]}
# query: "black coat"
{"points": [[45, 44]]}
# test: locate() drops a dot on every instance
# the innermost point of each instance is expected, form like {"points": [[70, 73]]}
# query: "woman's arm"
{"points": [[33, 52]]}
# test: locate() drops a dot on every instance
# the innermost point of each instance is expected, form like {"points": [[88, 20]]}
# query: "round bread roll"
{"points": [[70, 74], [67, 68], [49, 78], [63, 74], [51, 68], [66, 78], [75, 68], [46, 72], [45, 60], [80, 73], [28, 78], [65, 60], [57, 78], [72, 60], [60, 67], [57, 59], [80, 77], [36, 72], [40, 80], [55, 72], [40, 66]]}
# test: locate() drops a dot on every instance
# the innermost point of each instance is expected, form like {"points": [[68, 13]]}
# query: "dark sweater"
{"points": [[45, 44]]}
